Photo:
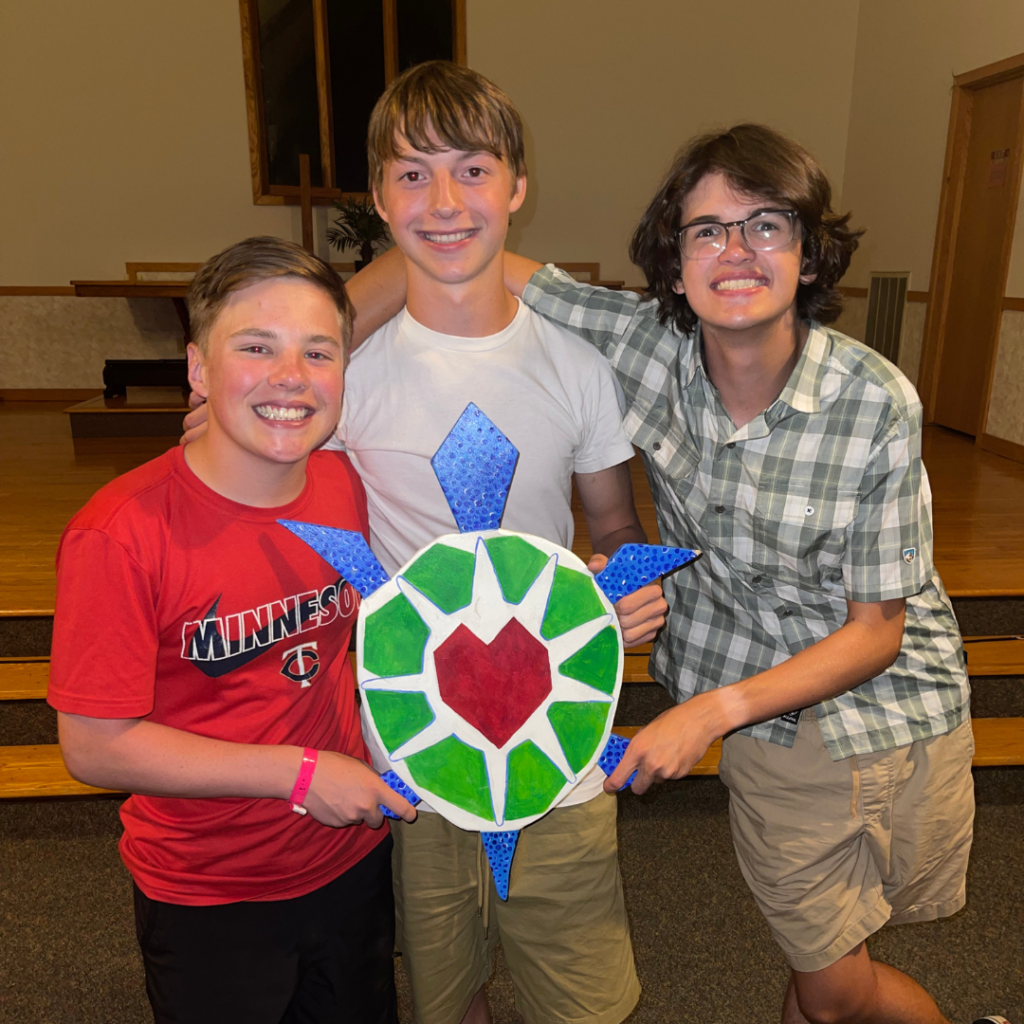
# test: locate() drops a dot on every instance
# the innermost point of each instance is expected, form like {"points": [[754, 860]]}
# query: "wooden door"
{"points": [[978, 273]]}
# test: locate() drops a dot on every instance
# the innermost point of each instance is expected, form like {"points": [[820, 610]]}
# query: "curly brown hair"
{"points": [[760, 162]]}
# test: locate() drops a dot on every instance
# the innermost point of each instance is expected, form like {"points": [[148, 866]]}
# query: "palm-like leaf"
{"points": [[358, 225]]}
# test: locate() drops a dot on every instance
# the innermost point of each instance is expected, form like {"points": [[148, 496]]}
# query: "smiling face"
{"points": [[740, 288], [448, 211], [272, 372]]}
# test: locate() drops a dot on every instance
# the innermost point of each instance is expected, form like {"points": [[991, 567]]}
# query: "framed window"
{"points": [[313, 71]]}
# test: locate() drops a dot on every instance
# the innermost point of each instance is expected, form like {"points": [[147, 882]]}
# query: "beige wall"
{"points": [[907, 55], [610, 90], [124, 137]]}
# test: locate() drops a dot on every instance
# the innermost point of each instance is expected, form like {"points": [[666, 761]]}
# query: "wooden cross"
{"points": [[306, 202]]}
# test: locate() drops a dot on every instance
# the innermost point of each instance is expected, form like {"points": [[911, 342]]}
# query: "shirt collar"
{"points": [[802, 392]]}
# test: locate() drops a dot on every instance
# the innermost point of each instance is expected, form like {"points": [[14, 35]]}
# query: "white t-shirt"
{"points": [[551, 394]]}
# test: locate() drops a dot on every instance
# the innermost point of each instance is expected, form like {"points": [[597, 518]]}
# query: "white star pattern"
{"points": [[487, 614]]}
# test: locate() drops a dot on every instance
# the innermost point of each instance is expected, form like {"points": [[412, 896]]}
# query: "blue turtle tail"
{"points": [[500, 848]]}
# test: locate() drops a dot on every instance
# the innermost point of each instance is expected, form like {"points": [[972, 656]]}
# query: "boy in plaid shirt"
{"points": [[815, 634]]}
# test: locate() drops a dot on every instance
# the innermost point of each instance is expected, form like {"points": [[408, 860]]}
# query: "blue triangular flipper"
{"points": [[474, 467], [347, 552], [635, 565], [500, 848], [612, 755], [402, 789]]}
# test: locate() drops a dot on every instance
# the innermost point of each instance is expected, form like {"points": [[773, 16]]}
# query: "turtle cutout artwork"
{"points": [[490, 666]]}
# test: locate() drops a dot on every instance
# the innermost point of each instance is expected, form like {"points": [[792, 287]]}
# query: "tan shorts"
{"points": [[564, 929], [832, 850]]}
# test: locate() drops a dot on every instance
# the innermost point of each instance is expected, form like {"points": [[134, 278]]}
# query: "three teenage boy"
{"points": [[815, 634]]}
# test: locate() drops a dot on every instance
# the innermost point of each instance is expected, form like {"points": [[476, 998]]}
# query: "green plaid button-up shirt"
{"points": [[821, 499]]}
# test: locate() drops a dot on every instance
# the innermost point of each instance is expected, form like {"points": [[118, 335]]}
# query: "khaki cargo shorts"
{"points": [[563, 930], [833, 850]]}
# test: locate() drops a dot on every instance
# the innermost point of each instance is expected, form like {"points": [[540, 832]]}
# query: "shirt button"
{"points": [[731, 444], [656, 446], [719, 509], [757, 579], [786, 614]]}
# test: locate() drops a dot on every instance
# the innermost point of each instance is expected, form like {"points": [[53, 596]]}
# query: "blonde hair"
{"points": [[260, 259], [439, 105]]}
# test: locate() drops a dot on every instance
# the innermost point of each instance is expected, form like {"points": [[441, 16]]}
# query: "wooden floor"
{"points": [[45, 478]]}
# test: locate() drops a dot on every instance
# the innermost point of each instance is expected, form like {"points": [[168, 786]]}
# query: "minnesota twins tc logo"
{"points": [[301, 663]]}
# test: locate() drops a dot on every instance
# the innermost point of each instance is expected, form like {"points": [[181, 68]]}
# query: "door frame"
{"points": [[950, 202]]}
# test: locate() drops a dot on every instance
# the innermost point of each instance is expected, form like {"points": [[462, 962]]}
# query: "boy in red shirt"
{"points": [[200, 663]]}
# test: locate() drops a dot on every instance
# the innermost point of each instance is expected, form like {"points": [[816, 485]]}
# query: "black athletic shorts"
{"points": [[323, 957]]}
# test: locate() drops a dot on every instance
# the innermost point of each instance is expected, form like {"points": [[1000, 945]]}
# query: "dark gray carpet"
{"points": [[68, 955]]}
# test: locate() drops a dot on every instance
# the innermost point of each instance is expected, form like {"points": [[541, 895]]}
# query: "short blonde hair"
{"points": [[439, 105], [260, 259]]}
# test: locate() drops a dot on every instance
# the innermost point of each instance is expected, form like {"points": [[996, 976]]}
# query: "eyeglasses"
{"points": [[763, 231]]}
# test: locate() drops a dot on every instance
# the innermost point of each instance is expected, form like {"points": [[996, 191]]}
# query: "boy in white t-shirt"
{"points": [[447, 169]]}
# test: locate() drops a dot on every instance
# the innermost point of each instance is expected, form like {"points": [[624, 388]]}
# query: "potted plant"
{"points": [[358, 225]]}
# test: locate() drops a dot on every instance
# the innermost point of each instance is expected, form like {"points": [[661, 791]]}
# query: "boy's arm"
{"points": [[602, 316], [378, 294], [867, 644], [607, 500], [137, 756]]}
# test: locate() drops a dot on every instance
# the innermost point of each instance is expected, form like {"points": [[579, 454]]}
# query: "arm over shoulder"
{"points": [[598, 315]]}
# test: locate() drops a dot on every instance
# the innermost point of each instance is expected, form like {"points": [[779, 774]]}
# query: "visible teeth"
{"points": [[455, 236], [736, 284], [277, 412]]}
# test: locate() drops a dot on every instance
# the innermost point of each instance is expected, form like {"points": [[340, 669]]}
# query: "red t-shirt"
{"points": [[177, 605]]}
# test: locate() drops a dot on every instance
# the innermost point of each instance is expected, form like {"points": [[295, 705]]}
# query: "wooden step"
{"points": [[994, 656], [986, 656], [998, 742], [24, 678], [38, 770]]}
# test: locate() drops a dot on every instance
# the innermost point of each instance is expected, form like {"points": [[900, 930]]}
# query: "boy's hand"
{"points": [[667, 748], [345, 791], [641, 614], [195, 422]]}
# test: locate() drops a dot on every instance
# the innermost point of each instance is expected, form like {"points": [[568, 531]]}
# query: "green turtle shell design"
{"points": [[490, 669]]}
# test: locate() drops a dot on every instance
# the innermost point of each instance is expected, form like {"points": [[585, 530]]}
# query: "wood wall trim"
{"points": [[851, 292], [389, 9], [48, 394], [254, 103], [991, 74], [323, 92], [459, 31], [26, 289], [1000, 446], [1013, 303]]}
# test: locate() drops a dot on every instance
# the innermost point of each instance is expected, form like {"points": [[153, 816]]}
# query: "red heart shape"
{"points": [[496, 686]]}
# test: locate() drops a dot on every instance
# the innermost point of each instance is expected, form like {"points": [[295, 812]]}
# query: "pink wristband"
{"points": [[302, 783]]}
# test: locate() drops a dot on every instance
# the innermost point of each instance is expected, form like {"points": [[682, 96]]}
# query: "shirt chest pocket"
{"points": [[800, 535]]}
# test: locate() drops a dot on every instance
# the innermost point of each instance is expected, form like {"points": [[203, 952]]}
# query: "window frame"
{"points": [[266, 194]]}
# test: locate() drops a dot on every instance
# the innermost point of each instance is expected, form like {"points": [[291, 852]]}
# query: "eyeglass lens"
{"points": [[766, 231]]}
